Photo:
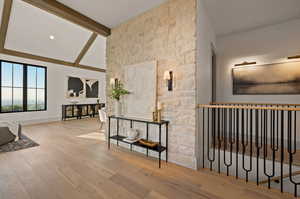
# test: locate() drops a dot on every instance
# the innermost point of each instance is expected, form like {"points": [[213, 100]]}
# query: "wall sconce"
{"points": [[294, 57], [245, 63], [113, 81], [169, 78]]}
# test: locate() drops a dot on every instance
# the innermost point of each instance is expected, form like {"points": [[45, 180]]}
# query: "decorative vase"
{"points": [[118, 108]]}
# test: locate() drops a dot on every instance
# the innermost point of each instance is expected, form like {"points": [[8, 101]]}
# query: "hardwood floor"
{"points": [[67, 167]]}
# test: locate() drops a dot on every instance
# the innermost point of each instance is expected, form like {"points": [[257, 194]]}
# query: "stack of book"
{"points": [[133, 136]]}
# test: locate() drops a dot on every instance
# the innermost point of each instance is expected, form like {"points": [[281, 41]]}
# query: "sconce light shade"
{"points": [[294, 57], [112, 81], [167, 75], [245, 63], [169, 78]]}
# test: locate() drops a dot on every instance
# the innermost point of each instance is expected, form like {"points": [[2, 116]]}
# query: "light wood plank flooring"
{"points": [[68, 167]]}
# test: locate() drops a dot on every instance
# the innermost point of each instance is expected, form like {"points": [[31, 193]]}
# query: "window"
{"points": [[23, 87]]}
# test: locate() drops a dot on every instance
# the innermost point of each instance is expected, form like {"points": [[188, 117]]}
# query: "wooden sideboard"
{"points": [[77, 111]]}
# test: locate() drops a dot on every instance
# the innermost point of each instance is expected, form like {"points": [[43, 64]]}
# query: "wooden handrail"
{"points": [[247, 107], [251, 103]]}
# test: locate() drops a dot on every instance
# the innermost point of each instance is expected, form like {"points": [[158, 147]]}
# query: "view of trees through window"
{"points": [[23, 87]]}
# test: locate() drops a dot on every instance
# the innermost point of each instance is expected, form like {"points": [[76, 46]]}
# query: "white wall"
{"points": [[205, 39], [266, 45], [56, 91]]}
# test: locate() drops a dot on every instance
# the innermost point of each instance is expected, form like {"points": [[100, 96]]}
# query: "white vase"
{"points": [[118, 108]]}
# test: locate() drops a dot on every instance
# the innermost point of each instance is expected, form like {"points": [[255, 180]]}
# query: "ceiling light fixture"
{"points": [[52, 37]]}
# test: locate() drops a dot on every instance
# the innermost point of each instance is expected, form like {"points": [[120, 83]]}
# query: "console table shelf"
{"points": [[119, 138], [80, 110], [158, 148]]}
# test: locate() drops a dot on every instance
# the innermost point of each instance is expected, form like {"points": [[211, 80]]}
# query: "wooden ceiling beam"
{"points": [[50, 60], [65, 12], [86, 48], [5, 21]]}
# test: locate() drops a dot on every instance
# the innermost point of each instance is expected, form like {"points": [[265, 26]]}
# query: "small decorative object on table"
{"points": [[133, 136], [159, 148], [157, 112], [148, 143], [154, 115], [159, 108], [117, 91]]}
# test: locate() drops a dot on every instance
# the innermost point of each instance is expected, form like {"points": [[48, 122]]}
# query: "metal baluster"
{"points": [[266, 149], [219, 138], [282, 149], [258, 144], [246, 145], [292, 151], [230, 142], [203, 138], [237, 145], [211, 159]]}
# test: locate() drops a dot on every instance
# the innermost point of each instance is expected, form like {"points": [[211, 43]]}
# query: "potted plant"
{"points": [[117, 91]]}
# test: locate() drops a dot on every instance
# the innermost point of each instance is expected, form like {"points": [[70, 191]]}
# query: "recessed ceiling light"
{"points": [[52, 37]]}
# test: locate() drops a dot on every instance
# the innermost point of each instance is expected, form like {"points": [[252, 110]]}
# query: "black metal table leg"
{"points": [[159, 145], [167, 140], [159, 160], [147, 136], [118, 131], [108, 133], [131, 126]]}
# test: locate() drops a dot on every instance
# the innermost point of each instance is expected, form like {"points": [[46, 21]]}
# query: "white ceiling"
{"points": [[29, 30], [231, 16], [111, 13], [95, 56]]}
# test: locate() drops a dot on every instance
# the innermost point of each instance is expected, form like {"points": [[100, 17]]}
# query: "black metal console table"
{"points": [[80, 110], [119, 138]]}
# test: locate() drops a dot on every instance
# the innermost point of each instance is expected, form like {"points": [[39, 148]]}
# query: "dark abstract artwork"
{"points": [[92, 88], [283, 79], [75, 87]]}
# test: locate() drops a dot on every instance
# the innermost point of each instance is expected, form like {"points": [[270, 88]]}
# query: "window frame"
{"points": [[25, 86]]}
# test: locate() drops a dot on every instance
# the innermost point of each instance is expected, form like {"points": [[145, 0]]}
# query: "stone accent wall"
{"points": [[166, 34]]}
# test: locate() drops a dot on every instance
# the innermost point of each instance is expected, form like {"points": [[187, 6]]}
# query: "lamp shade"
{"points": [[167, 75], [112, 81]]}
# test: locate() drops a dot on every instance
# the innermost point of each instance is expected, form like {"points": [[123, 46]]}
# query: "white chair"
{"points": [[14, 127], [102, 118]]}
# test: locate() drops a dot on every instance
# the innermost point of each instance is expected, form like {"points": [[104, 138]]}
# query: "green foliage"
{"points": [[118, 91]]}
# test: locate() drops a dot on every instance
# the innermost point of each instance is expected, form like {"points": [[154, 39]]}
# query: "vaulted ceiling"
{"points": [[30, 28], [111, 13], [38, 30], [231, 16]]}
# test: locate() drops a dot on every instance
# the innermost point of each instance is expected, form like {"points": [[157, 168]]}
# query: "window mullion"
{"points": [[1, 86], [12, 88], [36, 76], [25, 87]]}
